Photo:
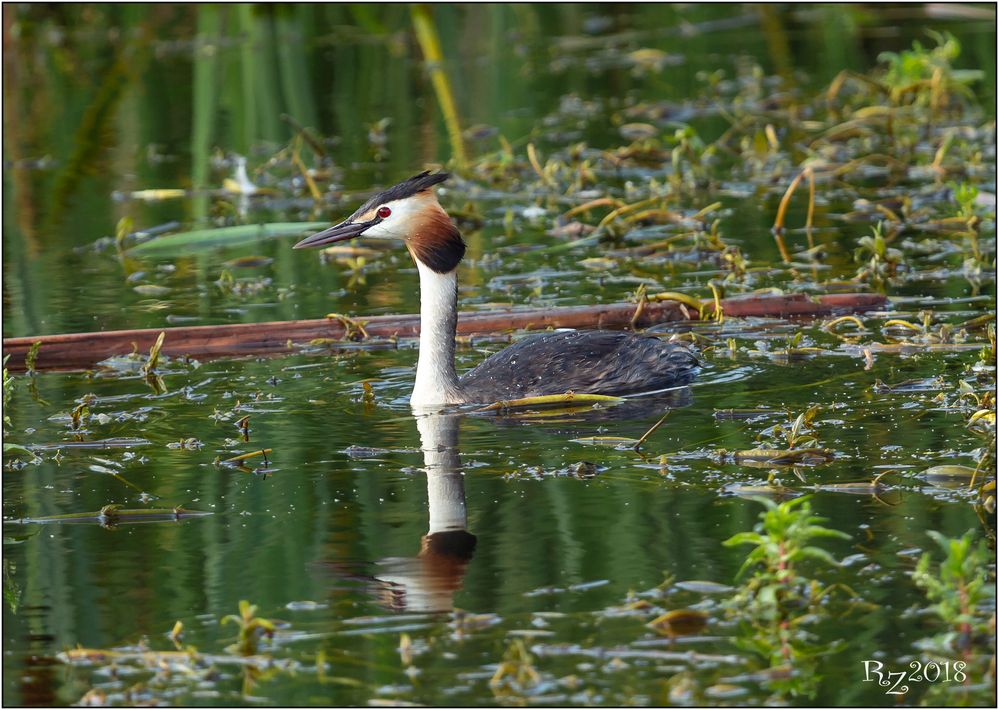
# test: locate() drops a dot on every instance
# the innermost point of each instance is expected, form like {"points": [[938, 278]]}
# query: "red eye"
{"points": [[383, 212]]}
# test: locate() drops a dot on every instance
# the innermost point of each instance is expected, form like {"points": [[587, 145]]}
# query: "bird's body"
{"points": [[592, 362]]}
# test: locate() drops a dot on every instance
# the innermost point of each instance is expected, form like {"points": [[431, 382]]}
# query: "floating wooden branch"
{"points": [[78, 351]]}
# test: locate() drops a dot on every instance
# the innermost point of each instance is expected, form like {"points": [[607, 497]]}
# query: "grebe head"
{"points": [[410, 212]]}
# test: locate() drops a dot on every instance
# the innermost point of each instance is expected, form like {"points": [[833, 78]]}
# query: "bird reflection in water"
{"points": [[428, 582]]}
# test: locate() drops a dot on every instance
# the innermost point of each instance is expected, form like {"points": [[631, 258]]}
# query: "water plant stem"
{"points": [[778, 228], [426, 35], [638, 444]]}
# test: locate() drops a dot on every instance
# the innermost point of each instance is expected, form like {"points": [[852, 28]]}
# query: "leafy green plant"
{"points": [[882, 261], [781, 541], [778, 599], [800, 433], [924, 76], [965, 196], [690, 150], [11, 590], [958, 587], [988, 353], [81, 412], [251, 628], [8, 392], [516, 673], [9, 447], [31, 357]]}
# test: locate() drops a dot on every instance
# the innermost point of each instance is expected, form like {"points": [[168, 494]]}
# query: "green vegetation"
{"points": [[779, 600], [9, 384], [962, 590], [958, 586], [882, 261], [925, 76], [781, 543], [251, 628]]}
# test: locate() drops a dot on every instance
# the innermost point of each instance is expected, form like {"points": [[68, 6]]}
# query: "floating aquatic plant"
{"points": [[516, 673], [8, 393], [251, 628], [924, 76]]}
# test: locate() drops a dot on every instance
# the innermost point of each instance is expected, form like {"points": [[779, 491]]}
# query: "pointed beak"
{"points": [[336, 233]]}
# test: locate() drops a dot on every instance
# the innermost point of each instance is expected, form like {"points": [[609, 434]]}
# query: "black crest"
{"points": [[406, 188]]}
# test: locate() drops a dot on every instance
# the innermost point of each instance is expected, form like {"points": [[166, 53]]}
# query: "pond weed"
{"points": [[778, 600], [516, 673], [961, 588], [251, 628], [880, 262], [924, 76], [958, 587], [9, 383]]}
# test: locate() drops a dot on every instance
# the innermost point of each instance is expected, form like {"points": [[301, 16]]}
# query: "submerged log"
{"points": [[78, 351]]}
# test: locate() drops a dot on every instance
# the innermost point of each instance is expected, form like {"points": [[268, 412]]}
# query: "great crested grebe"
{"points": [[592, 361]]}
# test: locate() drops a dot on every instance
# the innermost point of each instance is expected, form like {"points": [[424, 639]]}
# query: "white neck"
{"points": [[445, 481], [436, 380]]}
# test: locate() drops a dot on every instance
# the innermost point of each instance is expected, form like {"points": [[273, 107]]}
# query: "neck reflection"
{"points": [[428, 582]]}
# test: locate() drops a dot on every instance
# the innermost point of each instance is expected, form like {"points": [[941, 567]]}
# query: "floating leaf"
{"points": [[637, 131], [680, 622], [598, 263], [724, 691], [18, 538], [151, 290], [743, 413], [124, 442], [914, 385], [249, 262], [864, 488], [250, 455], [683, 298], [620, 441], [856, 488], [550, 400], [948, 473], [785, 456], [704, 587], [156, 195], [188, 242], [776, 492], [17, 450]]}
